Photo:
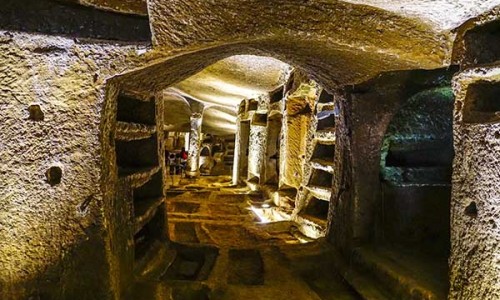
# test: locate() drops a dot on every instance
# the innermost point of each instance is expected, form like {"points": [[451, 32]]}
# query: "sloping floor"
{"points": [[224, 252]]}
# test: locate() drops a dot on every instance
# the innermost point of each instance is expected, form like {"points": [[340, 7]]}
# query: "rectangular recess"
{"points": [[317, 208], [482, 103], [136, 111], [321, 178], [324, 152], [137, 153]]}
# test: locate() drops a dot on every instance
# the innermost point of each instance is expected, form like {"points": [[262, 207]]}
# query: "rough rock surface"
{"points": [[52, 236], [475, 211]]}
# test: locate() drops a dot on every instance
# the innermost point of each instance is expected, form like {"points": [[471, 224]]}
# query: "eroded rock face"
{"points": [[52, 226], [475, 229], [59, 18], [138, 7]]}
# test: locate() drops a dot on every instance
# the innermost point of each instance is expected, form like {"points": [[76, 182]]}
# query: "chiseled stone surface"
{"points": [[193, 162], [475, 209], [257, 151], [296, 124], [138, 7], [52, 235], [180, 23]]}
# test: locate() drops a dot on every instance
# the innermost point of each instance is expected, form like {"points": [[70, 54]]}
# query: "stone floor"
{"points": [[225, 252]]}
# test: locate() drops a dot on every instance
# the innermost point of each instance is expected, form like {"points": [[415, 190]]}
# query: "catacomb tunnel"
{"points": [[193, 150]]}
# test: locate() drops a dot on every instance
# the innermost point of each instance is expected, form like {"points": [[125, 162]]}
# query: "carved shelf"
{"points": [[144, 211], [326, 137], [320, 192], [133, 131], [322, 164], [330, 106], [138, 176]]}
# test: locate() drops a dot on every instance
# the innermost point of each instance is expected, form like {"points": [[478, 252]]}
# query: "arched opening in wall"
{"points": [[273, 135], [206, 159], [413, 219]]}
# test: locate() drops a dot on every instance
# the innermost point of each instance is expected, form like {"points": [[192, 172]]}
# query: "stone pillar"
{"points": [[475, 204], [193, 162], [237, 154], [257, 148], [240, 149], [296, 122]]}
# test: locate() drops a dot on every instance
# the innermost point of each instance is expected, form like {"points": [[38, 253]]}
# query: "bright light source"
{"points": [[260, 215], [265, 205]]}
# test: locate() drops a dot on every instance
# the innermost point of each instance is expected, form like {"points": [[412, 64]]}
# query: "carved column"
{"points": [[193, 161]]}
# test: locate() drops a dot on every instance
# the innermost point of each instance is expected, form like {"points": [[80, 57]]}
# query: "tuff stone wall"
{"points": [[53, 230], [57, 17], [475, 208], [296, 123], [365, 112]]}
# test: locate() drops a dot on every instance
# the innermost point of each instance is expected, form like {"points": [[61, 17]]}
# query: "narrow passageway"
{"points": [[225, 251], [234, 149]]}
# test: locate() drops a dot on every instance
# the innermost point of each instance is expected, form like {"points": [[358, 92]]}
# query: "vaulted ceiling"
{"points": [[339, 41]]}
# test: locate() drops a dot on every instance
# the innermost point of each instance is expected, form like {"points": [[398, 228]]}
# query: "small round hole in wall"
{"points": [[36, 113], [54, 175], [471, 210]]}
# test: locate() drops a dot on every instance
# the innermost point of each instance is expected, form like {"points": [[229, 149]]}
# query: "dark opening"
{"points": [[471, 210], [151, 189], [324, 97], [54, 175], [324, 152], [259, 119], [482, 43], [131, 155], [205, 151], [253, 104], [289, 84], [136, 111], [482, 103], [326, 120], [277, 95], [36, 113], [321, 178], [416, 168], [151, 232], [317, 208]]}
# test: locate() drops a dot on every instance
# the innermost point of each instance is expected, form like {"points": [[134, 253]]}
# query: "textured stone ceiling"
{"points": [[221, 87], [137, 7], [233, 79], [339, 42], [442, 14]]}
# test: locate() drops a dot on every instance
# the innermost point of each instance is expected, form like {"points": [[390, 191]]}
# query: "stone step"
{"points": [[404, 276], [155, 261], [366, 286]]}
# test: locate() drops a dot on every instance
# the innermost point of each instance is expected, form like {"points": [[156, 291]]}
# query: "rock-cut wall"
{"points": [[51, 209]]}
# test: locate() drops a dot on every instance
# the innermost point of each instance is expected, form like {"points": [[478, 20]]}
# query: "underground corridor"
{"points": [[233, 150]]}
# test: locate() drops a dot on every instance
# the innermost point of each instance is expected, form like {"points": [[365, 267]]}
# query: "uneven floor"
{"points": [[224, 252]]}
